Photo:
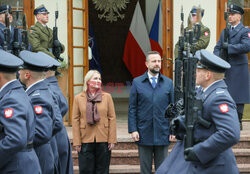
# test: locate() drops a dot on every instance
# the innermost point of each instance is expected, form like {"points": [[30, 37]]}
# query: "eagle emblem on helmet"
{"points": [[110, 9]]}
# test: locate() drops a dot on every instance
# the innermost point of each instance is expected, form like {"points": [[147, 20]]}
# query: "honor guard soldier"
{"points": [[46, 112], [204, 38], [17, 122], [40, 35], [238, 45], [63, 143], [212, 152], [7, 30]]}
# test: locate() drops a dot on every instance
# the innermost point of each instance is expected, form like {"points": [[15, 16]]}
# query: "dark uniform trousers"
{"points": [[94, 158], [62, 140], [145, 153]]}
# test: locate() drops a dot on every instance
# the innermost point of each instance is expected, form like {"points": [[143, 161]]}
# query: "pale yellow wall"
{"points": [[209, 19], [61, 21]]}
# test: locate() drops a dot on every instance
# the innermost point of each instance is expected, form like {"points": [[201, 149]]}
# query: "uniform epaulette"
{"points": [[220, 91], [36, 94]]}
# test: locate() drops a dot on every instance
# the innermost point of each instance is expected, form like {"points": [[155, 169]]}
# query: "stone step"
{"points": [[131, 157], [127, 143], [135, 169], [244, 142]]}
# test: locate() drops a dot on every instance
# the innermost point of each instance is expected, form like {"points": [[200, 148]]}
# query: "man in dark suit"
{"points": [[150, 94], [212, 150], [237, 77]]}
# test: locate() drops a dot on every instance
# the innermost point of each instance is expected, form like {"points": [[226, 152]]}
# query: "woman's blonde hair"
{"points": [[87, 77]]}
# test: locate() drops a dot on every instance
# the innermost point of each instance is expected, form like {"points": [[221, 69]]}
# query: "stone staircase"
{"points": [[125, 159]]}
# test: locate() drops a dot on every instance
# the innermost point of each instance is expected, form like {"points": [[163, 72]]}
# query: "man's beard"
{"points": [[154, 71]]}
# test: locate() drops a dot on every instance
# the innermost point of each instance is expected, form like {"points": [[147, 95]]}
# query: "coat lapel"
{"points": [[232, 33], [45, 30]]}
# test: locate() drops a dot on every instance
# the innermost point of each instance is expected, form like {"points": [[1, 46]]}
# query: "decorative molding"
{"points": [[111, 9]]}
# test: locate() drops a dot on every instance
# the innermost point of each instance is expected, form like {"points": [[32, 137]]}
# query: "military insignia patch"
{"points": [[248, 34], [206, 33], [38, 109], [31, 31], [224, 108], [8, 113]]}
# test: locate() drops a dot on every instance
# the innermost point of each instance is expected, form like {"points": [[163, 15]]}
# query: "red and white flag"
{"points": [[155, 34], [137, 44]]}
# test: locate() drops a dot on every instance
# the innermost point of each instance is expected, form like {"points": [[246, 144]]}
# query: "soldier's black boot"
{"points": [[240, 115], [240, 109]]}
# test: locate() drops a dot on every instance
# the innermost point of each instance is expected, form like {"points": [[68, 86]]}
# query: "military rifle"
{"points": [[25, 42], [6, 31], [224, 51], [176, 109], [197, 26], [193, 107], [16, 46], [57, 47]]}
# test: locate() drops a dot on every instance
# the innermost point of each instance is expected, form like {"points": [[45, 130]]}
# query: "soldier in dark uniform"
{"points": [[6, 9], [212, 152], [204, 39], [40, 35], [47, 124], [63, 143], [17, 122], [237, 78]]}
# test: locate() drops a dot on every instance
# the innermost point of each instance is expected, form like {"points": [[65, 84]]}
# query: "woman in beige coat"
{"points": [[94, 126]]}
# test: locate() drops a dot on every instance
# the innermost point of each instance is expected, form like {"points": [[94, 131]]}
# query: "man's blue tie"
{"points": [[153, 81]]}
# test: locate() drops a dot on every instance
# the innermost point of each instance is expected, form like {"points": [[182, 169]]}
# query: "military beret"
{"points": [[235, 9], [34, 61], [9, 62], [53, 62], [5, 8], [40, 9], [212, 62], [194, 10]]}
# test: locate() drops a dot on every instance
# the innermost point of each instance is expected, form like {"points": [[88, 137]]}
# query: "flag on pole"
{"points": [[155, 35], [137, 44]]}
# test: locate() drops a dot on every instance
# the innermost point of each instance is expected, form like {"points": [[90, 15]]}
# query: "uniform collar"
{"points": [[35, 86], [204, 90], [51, 79], [232, 33], [235, 26], [212, 87], [8, 86], [43, 29]]}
